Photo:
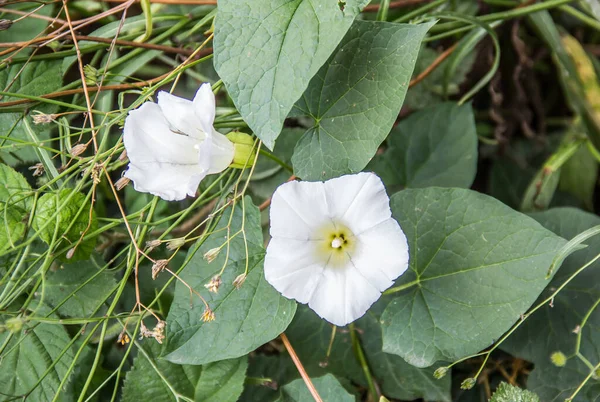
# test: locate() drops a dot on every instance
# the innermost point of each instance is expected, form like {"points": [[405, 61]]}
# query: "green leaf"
{"points": [[267, 51], [429, 91], [327, 386], [279, 369], [34, 78], [475, 267], [25, 28], [14, 188], [550, 329], [69, 214], [509, 393], [152, 378], [12, 227], [28, 356], [245, 318], [310, 336], [436, 146], [356, 97], [63, 284]]}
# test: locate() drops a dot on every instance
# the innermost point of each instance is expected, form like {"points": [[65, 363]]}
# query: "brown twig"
{"points": [[300, 367], [182, 2], [394, 4], [443, 56]]}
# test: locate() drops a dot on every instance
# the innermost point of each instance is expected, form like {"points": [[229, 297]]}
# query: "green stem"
{"points": [[276, 160], [360, 355], [402, 287]]}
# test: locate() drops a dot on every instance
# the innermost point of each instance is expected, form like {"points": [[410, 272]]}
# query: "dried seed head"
{"points": [[211, 254], [123, 338], [38, 169], [5, 24], [174, 244], [42, 118], [239, 280], [121, 183], [208, 315], [213, 285], [78, 149], [152, 244], [158, 267]]}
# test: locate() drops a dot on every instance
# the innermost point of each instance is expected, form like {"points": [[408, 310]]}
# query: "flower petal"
{"points": [[292, 268], [205, 107], [359, 201], [298, 210], [221, 152], [381, 254], [169, 182], [181, 115], [148, 138], [342, 295]]}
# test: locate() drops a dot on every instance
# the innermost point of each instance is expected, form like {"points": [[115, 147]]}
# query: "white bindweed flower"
{"points": [[334, 245], [172, 145]]}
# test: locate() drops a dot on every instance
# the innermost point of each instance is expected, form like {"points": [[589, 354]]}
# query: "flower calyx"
{"points": [[244, 153]]}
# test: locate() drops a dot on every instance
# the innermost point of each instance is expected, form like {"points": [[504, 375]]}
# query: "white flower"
{"points": [[334, 245], [172, 145]]}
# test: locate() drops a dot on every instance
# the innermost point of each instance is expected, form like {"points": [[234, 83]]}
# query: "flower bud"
{"points": [[91, 75], [70, 253], [174, 244], [14, 324], [211, 254], [78, 149], [5, 24], [468, 383], [243, 149], [239, 281], [152, 244], [440, 372], [121, 183], [558, 359]]}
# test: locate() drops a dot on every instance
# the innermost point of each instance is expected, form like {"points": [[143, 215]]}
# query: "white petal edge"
{"points": [[221, 154], [205, 107], [169, 182], [359, 200]]}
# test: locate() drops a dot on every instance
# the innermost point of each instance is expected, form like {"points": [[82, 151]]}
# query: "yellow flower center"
{"points": [[335, 244]]}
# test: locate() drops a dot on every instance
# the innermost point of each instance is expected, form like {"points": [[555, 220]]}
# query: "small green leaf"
{"points": [[267, 51], [11, 225], [475, 267], [328, 387], [62, 284], [152, 378], [509, 393], [436, 146], [69, 214], [33, 78], [551, 329], [14, 188], [245, 318], [356, 97], [28, 355]]}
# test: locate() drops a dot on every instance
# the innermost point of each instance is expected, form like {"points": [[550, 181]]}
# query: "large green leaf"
{"points": [[356, 97], [475, 267], [63, 285], [436, 146], [11, 225], [266, 52], [328, 387], [152, 378], [245, 318], [70, 215], [550, 329], [34, 78], [310, 336], [28, 357]]}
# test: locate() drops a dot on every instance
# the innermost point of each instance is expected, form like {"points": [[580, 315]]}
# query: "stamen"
{"points": [[337, 242]]}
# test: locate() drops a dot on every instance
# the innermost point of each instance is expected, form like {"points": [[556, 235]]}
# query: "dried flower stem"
{"points": [[300, 367]]}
